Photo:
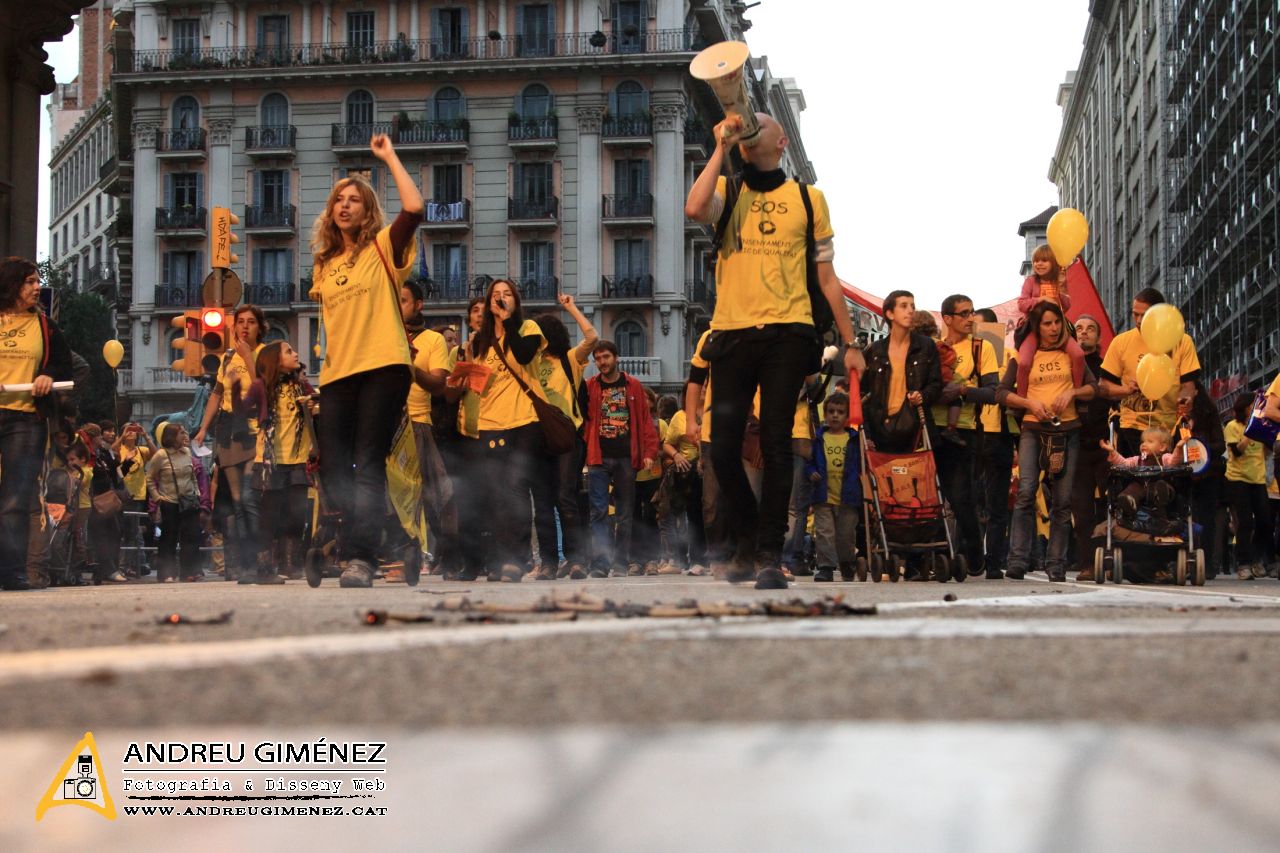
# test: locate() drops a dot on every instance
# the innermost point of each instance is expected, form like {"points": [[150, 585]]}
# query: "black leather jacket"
{"points": [[924, 374]]}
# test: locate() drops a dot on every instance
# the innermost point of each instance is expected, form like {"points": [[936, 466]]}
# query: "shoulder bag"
{"points": [[557, 429], [186, 503]]}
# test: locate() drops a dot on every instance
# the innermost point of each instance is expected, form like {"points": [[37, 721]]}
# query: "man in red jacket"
{"points": [[621, 440]]}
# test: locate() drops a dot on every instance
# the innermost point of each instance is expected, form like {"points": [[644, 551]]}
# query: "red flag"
{"points": [[1084, 300]]}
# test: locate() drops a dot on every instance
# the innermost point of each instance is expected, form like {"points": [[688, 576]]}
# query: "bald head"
{"points": [[766, 154]]}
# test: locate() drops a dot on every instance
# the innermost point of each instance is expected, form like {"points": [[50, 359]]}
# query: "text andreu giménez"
{"points": [[319, 751]]}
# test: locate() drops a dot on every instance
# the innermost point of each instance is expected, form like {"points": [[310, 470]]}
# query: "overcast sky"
{"points": [[930, 124]]}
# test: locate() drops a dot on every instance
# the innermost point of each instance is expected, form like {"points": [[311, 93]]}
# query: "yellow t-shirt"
{"points": [[897, 381], [504, 405], [676, 438], [991, 414], [764, 280], [1249, 467], [654, 471], [1050, 376], [361, 310], [835, 446], [965, 373], [1136, 411], [136, 480], [1274, 390], [231, 370], [290, 440], [85, 474], [560, 390], [433, 354], [697, 360], [21, 349]]}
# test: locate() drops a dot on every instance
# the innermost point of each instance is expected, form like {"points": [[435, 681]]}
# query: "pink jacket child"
{"points": [[1034, 292]]}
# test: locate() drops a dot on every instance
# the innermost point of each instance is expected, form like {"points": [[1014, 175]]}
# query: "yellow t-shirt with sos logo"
{"points": [[965, 373], [290, 440], [504, 404], [21, 349], [760, 278], [1136, 411], [1050, 377], [836, 447], [433, 354], [361, 309], [560, 390]]}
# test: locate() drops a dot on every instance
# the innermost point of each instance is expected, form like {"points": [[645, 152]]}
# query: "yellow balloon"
{"points": [[1156, 375], [113, 353], [1067, 233], [1162, 327]]}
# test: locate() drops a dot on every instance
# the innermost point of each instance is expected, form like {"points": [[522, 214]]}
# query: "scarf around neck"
{"points": [[762, 182]]}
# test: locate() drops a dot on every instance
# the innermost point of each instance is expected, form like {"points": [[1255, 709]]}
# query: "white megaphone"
{"points": [[721, 66]]}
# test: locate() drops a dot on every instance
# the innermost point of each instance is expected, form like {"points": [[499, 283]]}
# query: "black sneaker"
{"points": [[1015, 574], [994, 574], [824, 574], [771, 579], [1058, 576], [598, 573], [846, 572]]}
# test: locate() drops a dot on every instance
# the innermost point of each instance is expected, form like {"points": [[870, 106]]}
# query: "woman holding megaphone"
{"points": [[34, 353]]}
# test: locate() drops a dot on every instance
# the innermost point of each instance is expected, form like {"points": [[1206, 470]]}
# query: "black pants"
{"points": [[773, 359], [1205, 494], [1091, 475], [1251, 508], [463, 458], [104, 543], [955, 470], [178, 529], [543, 483], [22, 438], [358, 419], [284, 518], [997, 467], [508, 462], [568, 471]]}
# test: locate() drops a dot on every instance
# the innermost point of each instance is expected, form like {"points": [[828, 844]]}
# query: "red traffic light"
{"points": [[212, 317]]}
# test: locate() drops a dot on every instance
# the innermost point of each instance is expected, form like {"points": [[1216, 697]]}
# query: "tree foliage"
{"points": [[86, 322]]}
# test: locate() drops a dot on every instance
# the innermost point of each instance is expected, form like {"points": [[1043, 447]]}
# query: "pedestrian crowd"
{"points": [[524, 467]]}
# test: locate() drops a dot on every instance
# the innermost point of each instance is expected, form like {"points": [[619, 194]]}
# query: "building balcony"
{"points": [[260, 219], [447, 215], [269, 141], [166, 378], [533, 213], [532, 134], [183, 221], [647, 369], [101, 279], [353, 139], [181, 144], [251, 61], [627, 131], [700, 295], [178, 296], [442, 136], [269, 294], [628, 288], [121, 229], [628, 210], [698, 141], [451, 288], [535, 289]]}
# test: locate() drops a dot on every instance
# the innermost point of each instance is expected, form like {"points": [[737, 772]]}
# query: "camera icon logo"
{"points": [[85, 785]]}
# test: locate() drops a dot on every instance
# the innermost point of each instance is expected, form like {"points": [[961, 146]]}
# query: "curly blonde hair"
{"points": [[326, 238]]}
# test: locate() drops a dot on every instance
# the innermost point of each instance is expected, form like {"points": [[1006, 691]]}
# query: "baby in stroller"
{"points": [[1156, 451]]}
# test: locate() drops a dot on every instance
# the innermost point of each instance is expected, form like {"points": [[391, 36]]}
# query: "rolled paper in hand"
{"points": [[27, 386]]}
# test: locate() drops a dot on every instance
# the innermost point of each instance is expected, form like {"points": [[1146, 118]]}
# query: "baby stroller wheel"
{"points": [[941, 567], [1099, 566], [412, 564], [1198, 569], [1117, 565], [1180, 569], [314, 568], [860, 569], [960, 568], [895, 568]]}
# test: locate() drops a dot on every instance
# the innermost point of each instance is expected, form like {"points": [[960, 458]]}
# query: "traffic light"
{"points": [[214, 336], [189, 364], [223, 238]]}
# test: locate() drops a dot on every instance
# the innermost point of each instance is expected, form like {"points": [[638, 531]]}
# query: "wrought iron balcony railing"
{"points": [[532, 208], [631, 206], [263, 216], [185, 218], [270, 137], [532, 129], [180, 139], [628, 286]]}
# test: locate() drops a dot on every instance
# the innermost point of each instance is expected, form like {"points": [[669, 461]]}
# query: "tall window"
{"points": [[271, 189], [449, 36], [629, 99], [185, 36], [275, 111], [533, 182], [446, 183], [183, 269], [448, 105], [630, 19], [184, 190], [537, 263], [630, 258], [631, 178], [535, 27], [630, 338], [534, 102], [360, 29], [273, 266], [273, 36], [449, 261], [186, 113], [360, 108]]}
